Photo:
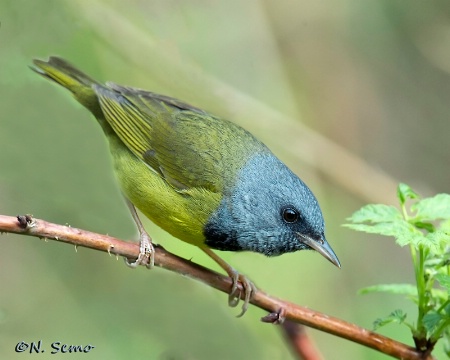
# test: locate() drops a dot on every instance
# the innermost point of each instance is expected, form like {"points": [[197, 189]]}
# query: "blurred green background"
{"points": [[352, 95]]}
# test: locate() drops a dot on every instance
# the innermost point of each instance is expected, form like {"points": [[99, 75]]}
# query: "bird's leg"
{"points": [[249, 287], [146, 249]]}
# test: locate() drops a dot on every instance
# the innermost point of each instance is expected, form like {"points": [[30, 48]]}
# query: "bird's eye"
{"points": [[290, 215]]}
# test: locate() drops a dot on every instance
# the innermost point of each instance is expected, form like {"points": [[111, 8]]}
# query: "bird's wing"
{"points": [[183, 144]]}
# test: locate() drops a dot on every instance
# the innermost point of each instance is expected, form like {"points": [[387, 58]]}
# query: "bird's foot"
{"points": [[235, 293], [146, 253]]}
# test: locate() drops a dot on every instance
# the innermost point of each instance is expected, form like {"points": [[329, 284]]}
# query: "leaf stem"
{"points": [[437, 334], [443, 306], [418, 261], [421, 292]]}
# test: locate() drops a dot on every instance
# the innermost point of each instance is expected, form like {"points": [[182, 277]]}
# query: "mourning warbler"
{"points": [[201, 178]]}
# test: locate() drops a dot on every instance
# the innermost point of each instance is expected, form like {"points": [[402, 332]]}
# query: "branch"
{"points": [[301, 344], [26, 225]]}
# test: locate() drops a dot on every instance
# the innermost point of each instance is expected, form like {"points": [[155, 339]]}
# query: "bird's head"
{"points": [[268, 210]]}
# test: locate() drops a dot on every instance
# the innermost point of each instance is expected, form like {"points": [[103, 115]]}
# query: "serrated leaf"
{"points": [[375, 213], [437, 240], [431, 321], [444, 281], [400, 289], [397, 316], [387, 229], [434, 208], [404, 192], [404, 232]]}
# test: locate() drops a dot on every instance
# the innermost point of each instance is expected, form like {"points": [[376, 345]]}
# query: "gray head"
{"points": [[269, 210]]}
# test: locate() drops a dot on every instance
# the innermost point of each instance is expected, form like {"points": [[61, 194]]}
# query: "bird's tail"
{"points": [[63, 73], [66, 75]]}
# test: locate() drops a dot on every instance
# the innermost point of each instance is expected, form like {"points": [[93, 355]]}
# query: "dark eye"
{"points": [[290, 215]]}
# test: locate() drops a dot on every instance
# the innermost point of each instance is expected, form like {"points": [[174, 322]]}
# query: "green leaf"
{"points": [[387, 229], [424, 225], [375, 213], [404, 192], [397, 316], [407, 234], [404, 232], [431, 321], [437, 240], [401, 289], [444, 281], [434, 208]]}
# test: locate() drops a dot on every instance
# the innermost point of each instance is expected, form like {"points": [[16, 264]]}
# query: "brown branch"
{"points": [[26, 225], [301, 344]]}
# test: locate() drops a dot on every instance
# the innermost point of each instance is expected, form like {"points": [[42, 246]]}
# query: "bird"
{"points": [[203, 179]]}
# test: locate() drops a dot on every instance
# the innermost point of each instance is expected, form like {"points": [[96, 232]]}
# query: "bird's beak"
{"points": [[322, 247]]}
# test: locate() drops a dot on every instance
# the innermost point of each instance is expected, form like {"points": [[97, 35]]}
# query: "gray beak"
{"points": [[322, 247]]}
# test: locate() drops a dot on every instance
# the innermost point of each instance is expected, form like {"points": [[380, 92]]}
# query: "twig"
{"points": [[300, 342], [26, 225]]}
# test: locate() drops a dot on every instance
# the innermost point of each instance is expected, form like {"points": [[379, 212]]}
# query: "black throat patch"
{"points": [[221, 239]]}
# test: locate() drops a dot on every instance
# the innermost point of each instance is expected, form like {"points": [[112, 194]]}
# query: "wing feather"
{"points": [[184, 145]]}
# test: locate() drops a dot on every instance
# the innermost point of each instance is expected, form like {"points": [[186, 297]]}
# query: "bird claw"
{"points": [[235, 294], [233, 299], [146, 253]]}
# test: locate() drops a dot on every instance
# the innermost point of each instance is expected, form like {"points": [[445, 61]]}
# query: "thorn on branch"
{"points": [[277, 317], [110, 247]]}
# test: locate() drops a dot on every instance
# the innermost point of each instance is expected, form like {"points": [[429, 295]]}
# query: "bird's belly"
{"points": [[182, 214]]}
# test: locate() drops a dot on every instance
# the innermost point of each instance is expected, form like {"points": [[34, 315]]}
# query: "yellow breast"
{"points": [[182, 213]]}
